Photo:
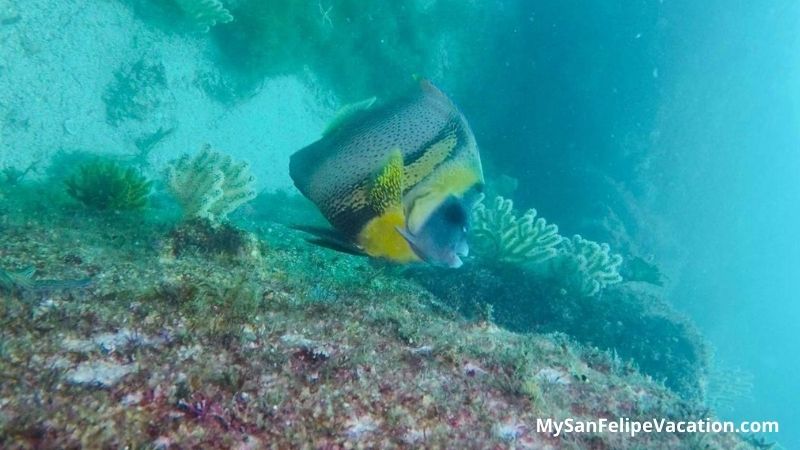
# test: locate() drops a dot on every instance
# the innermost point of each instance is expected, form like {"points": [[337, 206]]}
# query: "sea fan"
{"points": [[499, 235], [586, 266], [210, 185]]}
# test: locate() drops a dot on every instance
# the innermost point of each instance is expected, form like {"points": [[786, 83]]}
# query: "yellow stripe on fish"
{"points": [[433, 156], [379, 237], [387, 189], [453, 179]]}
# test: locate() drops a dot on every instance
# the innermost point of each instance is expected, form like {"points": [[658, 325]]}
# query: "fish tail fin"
{"points": [[303, 164]]}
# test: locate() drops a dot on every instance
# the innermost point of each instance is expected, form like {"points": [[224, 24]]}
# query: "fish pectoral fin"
{"points": [[339, 246], [386, 191], [412, 242], [330, 238]]}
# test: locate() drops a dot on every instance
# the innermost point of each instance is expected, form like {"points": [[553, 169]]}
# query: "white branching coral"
{"points": [[582, 266], [205, 13], [587, 266], [498, 234], [210, 185]]}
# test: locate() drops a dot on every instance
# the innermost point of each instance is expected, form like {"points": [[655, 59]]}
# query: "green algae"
{"points": [[383, 44], [106, 185]]}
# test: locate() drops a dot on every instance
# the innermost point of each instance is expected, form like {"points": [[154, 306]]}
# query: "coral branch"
{"points": [[581, 265], [586, 265], [501, 236], [210, 184]]}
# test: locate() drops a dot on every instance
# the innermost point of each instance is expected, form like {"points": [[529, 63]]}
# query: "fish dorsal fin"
{"points": [[386, 190], [17, 280], [346, 113], [26, 273]]}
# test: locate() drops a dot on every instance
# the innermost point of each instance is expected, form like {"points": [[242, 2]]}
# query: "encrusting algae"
{"points": [[290, 347]]}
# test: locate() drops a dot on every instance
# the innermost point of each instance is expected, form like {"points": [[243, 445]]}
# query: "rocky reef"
{"points": [[293, 346]]}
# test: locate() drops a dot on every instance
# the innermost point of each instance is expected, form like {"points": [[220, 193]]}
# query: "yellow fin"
{"points": [[347, 112], [386, 191]]}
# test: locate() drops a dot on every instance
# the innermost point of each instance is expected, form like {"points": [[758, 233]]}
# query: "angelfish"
{"points": [[396, 181]]}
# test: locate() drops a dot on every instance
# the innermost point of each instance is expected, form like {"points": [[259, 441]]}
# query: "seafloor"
{"points": [[192, 336]]}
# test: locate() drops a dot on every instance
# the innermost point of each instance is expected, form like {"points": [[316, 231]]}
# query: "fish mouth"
{"points": [[462, 249], [456, 257], [455, 262], [450, 258]]}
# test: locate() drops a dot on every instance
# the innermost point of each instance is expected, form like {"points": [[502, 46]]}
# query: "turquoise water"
{"points": [[658, 141]]}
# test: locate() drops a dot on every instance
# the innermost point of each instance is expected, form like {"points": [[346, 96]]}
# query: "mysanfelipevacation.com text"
{"points": [[634, 427]]}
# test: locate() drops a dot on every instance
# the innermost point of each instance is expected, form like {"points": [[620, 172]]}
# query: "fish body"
{"points": [[23, 281], [396, 180]]}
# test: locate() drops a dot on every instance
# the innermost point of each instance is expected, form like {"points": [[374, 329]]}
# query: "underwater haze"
{"points": [[409, 224]]}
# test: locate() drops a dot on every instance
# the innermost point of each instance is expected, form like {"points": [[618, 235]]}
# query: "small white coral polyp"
{"points": [[210, 185], [205, 13]]}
